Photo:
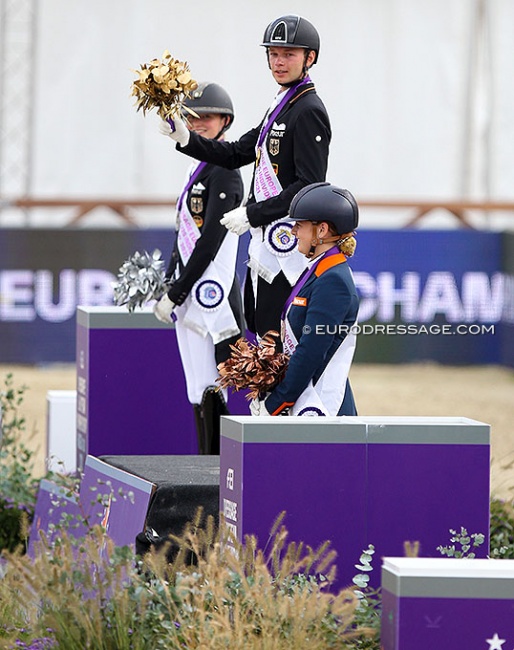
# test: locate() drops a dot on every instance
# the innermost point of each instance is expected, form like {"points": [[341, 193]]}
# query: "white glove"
{"points": [[163, 309], [175, 129], [236, 221], [258, 407]]}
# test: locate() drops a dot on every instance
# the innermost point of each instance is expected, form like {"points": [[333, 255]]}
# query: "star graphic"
{"points": [[495, 643]]}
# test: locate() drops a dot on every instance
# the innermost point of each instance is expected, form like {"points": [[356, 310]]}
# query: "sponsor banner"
{"points": [[507, 331], [431, 287], [449, 294], [46, 273]]}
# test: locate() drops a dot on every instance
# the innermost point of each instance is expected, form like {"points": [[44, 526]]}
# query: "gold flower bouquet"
{"points": [[256, 367], [163, 84]]}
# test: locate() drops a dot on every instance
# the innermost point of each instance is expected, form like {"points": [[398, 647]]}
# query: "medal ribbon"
{"points": [[189, 183], [280, 106], [303, 279]]}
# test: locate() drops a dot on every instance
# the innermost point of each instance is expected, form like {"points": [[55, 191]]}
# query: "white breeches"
{"points": [[198, 361]]}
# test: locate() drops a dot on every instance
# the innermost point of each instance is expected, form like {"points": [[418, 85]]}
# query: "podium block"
{"points": [[131, 389], [314, 473], [430, 603], [61, 430], [426, 475], [131, 394], [356, 481]]}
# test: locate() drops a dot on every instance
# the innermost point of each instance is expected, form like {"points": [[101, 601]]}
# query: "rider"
{"points": [[319, 317], [289, 150], [205, 296]]}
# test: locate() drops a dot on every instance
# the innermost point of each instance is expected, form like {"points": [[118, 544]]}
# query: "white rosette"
{"points": [[208, 294], [279, 239]]}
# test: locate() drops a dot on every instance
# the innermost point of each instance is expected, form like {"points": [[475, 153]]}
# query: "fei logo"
{"points": [[230, 479]]}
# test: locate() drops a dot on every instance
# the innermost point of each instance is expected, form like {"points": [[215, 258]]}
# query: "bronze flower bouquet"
{"points": [[141, 278], [163, 84], [257, 367]]}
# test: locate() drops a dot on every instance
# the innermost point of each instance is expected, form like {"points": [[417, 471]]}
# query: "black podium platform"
{"points": [[183, 484]]}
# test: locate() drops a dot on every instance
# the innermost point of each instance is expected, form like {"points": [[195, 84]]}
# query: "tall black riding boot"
{"points": [[200, 428], [213, 407]]}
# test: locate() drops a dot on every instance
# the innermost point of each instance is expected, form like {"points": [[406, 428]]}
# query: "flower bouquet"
{"points": [[257, 367], [163, 84], [141, 278]]}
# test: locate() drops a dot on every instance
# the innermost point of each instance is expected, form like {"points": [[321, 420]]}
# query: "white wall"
{"points": [[394, 75]]}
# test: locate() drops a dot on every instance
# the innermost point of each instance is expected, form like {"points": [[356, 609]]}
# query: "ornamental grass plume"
{"points": [[93, 595], [256, 367], [163, 84]]}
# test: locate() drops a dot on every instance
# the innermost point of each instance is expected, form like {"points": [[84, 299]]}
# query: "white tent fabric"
{"points": [[420, 94]]}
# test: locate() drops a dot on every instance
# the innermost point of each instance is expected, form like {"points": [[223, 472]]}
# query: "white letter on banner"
{"points": [[95, 288], [45, 307], [482, 301], [17, 296], [508, 299], [440, 296], [407, 297]]}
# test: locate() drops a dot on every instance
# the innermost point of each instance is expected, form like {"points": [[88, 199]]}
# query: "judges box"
{"points": [[432, 603], [356, 481]]}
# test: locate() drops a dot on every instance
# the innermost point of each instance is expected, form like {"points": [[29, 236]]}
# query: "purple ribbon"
{"points": [[189, 183], [278, 108], [304, 277]]}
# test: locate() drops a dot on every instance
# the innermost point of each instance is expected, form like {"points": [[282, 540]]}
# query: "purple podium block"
{"points": [[131, 394], [426, 475], [131, 389], [356, 481], [432, 604], [316, 474]]}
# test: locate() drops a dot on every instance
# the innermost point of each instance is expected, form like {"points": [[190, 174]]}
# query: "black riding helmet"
{"points": [[292, 31], [211, 98], [326, 202]]}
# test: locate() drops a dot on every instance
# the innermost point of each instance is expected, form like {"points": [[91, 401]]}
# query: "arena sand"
{"points": [[484, 393]]}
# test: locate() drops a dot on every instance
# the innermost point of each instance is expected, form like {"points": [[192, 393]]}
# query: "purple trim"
{"points": [[304, 277], [280, 106], [189, 183]]}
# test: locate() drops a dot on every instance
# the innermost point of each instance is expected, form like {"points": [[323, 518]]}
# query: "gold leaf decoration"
{"points": [[163, 85]]}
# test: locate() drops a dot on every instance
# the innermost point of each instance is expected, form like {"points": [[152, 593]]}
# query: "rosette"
{"points": [[279, 239]]}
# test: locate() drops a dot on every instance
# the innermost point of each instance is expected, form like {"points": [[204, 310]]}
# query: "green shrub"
{"points": [[502, 529], [18, 487]]}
